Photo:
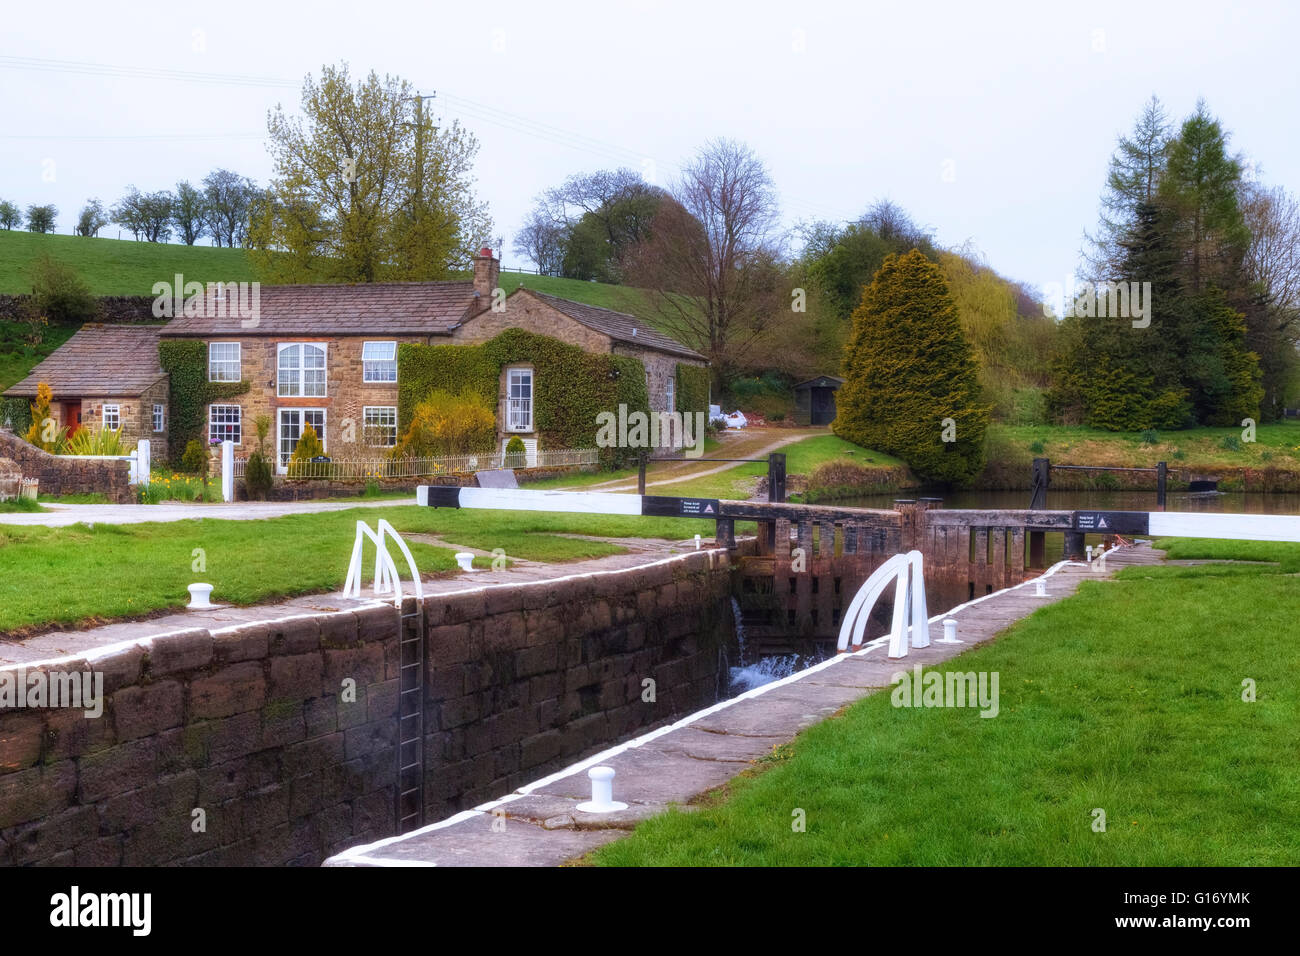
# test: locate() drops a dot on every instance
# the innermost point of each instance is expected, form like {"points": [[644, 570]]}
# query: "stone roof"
{"points": [[376, 308], [617, 325], [99, 360]]}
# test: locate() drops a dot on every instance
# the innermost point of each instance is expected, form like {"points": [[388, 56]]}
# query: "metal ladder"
{"points": [[410, 719]]}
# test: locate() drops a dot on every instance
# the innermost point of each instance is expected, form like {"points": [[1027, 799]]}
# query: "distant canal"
{"points": [[1240, 503]]}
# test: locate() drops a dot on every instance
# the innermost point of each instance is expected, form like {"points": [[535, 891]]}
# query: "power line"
{"points": [[462, 106]]}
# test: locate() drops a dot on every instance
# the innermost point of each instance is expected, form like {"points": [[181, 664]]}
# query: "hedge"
{"points": [[570, 388], [692, 389], [186, 364]]}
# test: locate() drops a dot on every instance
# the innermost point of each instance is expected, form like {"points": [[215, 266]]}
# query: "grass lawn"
{"points": [[1126, 697], [800, 459], [17, 358], [1275, 445], [16, 505], [69, 575]]}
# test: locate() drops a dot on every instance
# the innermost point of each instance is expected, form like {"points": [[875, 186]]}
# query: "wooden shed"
{"points": [[814, 400]]}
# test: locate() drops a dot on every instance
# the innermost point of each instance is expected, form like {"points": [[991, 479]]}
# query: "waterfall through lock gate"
{"points": [[746, 675]]}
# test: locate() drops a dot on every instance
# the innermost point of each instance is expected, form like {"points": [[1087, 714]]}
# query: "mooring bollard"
{"points": [[466, 560], [1040, 588], [199, 594], [602, 792], [949, 633], [697, 542], [1089, 550]]}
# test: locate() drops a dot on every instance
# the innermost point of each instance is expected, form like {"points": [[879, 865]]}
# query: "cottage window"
{"points": [[671, 383], [224, 423], [112, 417], [159, 415], [379, 361], [519, 400], [301, 371], [293, 422], [381, 425], [224, 362]]}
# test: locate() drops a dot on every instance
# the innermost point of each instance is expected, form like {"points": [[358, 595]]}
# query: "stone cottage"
{"points": [[106, 376], [326, 355]]}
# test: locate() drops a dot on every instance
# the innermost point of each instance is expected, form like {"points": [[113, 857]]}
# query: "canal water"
{"points": [[751, 671]]}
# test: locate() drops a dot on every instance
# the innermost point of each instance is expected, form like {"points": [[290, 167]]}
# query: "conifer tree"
{"points": [[911, 382]]}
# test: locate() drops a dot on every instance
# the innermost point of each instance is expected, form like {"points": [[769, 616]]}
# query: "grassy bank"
{"points": [[1126, 697], [1270, 463], [62, 576]]}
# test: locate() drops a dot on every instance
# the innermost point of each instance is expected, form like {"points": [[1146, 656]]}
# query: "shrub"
{"points": [[516, 453], [1179, 454], [1149, 437], [1230, 443], [98, 441], [195, 459], [444, 424], [59, 292], [309, 446], [1037, 447], [258, 476], [42, 432]]}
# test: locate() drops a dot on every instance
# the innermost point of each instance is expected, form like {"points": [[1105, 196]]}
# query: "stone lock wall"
{"points": [[66, 475], [255, 725]]}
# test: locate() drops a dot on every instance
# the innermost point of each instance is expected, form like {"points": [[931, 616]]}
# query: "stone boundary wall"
{"points": [[67, 475], [113, 309], [308, 489], [254, 724]]}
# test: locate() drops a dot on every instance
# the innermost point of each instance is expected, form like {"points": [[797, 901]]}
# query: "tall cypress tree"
{"points": [[909, 370]]}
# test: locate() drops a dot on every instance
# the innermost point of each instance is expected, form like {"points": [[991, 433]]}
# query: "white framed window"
{"points": [[292, 421], [224, 362], [380, 428], [379, 361], [519, 400], [225, 423], [301, 370], [671, 382], [112, 417], [159, 417]]}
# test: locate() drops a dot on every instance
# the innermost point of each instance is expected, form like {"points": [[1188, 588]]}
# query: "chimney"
{"points": [[487, 272]]}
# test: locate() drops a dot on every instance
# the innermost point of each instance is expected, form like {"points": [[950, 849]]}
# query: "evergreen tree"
{"points": [[908, 370]]}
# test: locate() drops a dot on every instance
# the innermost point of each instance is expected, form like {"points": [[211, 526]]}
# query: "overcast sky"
{"points": [[990, 123]]}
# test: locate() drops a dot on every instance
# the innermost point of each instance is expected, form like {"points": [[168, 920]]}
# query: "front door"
{"points": [[72, 417], [291, 423]]}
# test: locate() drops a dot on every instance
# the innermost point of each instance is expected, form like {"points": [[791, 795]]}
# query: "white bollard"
{"points": [[602, 792], [1040, 588], [1089, 550], [697, 542], [199, 594], [466, 560], [949, 633]]}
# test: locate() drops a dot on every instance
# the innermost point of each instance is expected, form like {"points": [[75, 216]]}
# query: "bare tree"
{"points": [[189, 213], [91, 219], [541, 240], [711, 262], [228, 197], [1273, 256], [147, 215], [41, 218]]}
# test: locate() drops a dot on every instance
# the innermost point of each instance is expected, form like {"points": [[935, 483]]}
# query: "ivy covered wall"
{"points": [[186, 362], [571, 386], [693, 389]]}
